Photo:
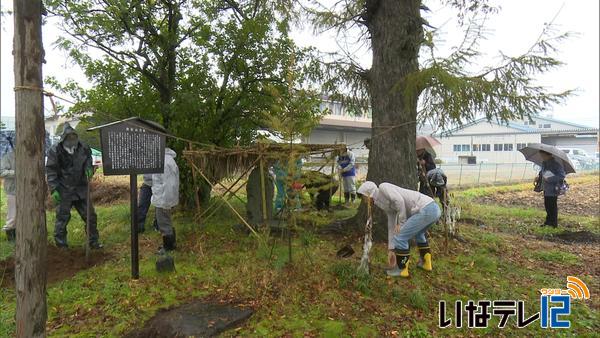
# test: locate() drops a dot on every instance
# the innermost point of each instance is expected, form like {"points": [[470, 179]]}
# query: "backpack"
{"points": [[436, 178], [538, 183]]}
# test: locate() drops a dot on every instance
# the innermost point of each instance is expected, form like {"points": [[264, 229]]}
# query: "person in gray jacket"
{"points": [[7, 172], [409, 213], [165, 196], [68, 172]]}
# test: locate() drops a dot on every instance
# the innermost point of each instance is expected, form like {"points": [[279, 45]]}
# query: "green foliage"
{"points": [[450, 89], [91, 138], [209, 71]]}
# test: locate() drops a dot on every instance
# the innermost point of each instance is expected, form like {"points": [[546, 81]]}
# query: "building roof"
{"points": [[574, 125], [522, 129]]}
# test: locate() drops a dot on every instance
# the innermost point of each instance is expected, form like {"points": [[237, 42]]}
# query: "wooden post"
{"points": [[135, 259], [196, 199], [496, 174], [31, 241], [332, 178], [263, 192]]}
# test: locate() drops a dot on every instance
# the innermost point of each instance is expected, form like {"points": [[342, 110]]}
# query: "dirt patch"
{"points": [[61, 264], [583, 237], [581, 199], [105, 190], [196, 319]]}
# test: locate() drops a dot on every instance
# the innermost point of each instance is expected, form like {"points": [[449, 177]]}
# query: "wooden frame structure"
{"points": [[214, 164]]}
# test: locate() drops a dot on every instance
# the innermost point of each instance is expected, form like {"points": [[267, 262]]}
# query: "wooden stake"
{"points": [[263, 192]]}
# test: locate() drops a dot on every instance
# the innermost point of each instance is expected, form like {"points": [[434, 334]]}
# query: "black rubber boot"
{"points": [[169, 242], [347, 197], [11, 235], [60, 242], [402, 259]]}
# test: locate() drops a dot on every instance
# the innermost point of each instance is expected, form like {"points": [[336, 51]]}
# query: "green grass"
{"points": [[556, 256], [318, 294]]}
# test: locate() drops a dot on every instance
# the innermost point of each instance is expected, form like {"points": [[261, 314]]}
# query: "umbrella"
{"points": [[427, 143], [532, 153]]}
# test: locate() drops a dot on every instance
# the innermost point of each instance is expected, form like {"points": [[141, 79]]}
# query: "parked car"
{"points": [[585, 161]]}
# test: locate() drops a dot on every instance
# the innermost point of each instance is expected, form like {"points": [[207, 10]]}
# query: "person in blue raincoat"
{"points": [[281, 183], [347, 168]]}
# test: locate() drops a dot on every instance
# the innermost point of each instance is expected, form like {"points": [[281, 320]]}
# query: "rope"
{"points": [[51, 94]]}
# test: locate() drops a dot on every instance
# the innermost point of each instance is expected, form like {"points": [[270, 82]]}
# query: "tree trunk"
{"points": [[396, 35], [30, 269]]}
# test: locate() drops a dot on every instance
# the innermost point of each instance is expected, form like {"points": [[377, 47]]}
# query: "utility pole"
{"points": [[31, 245]]}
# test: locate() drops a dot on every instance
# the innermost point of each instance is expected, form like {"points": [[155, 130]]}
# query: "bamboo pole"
{"points": [[196, 199], [232, 208], [232, 186], [263, 192]]}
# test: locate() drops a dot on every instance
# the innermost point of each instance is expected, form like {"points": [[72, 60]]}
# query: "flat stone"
{"points": [[196, 319]]}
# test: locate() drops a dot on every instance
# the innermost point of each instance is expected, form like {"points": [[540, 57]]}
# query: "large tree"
{"points": [[405, 88], [206, 70]]}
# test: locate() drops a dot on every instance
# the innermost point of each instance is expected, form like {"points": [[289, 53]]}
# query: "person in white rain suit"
{"points": [[409, 215], [165, 196]]}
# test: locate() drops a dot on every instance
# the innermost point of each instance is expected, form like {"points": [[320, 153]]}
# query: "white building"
{"points": [[481, 141], [339, 126]]}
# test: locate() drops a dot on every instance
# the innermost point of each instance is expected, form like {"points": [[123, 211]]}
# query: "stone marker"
{"points": [[197, 319]]}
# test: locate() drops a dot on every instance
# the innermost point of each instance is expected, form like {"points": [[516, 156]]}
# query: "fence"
{"points": [[464, 175]]}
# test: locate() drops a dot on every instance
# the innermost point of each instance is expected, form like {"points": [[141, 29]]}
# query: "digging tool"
{"points": [[88, 203], [368, 242]]}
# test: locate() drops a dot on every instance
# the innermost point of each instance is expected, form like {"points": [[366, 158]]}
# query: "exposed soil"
{"points": [[581, 199], [584, 237], [105, 190], [195, 319], [61, 264]]}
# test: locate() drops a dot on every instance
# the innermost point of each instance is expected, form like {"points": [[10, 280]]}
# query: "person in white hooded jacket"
{"points": [[165, 196], [409, 214]]}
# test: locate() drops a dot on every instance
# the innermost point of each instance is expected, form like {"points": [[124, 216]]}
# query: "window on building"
{"points": [[540, 125], [476, 147], [521, 145], [484, 147], [456, 147], [547, 126], [508, 147], [466, 147], [497, 147]]}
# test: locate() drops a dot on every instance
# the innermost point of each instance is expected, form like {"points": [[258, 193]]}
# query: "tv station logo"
{"points": [[555, 307]]}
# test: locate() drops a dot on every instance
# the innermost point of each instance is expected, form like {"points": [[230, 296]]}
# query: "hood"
{"points": [[170, 152], [67, 130], [368, 189]]}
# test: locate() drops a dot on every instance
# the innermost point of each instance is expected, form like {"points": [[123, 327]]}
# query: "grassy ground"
{"points": [[318, 294]]}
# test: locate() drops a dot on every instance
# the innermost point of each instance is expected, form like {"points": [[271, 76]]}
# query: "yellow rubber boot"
{"points": [[404, 272], [402, 259], [425, 259]]}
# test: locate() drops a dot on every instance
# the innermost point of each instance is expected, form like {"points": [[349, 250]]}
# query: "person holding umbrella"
{"points": [[555, 166], [552, 174]]}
